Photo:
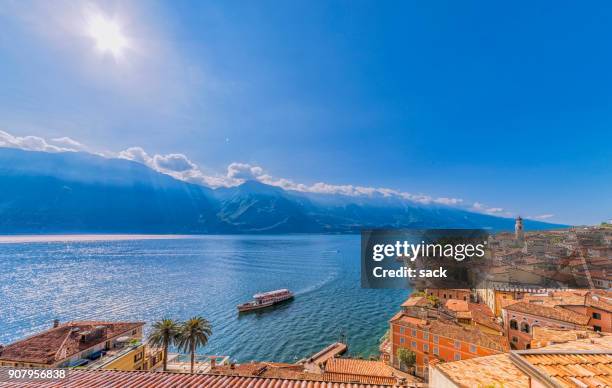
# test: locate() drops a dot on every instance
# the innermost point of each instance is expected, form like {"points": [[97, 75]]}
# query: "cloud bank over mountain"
{"points": [[179, 166]]}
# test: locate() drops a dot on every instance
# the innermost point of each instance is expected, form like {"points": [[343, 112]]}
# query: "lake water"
{"points": [[208, 275]]}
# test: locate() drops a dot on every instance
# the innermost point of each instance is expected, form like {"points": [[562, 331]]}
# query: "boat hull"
{"points": [[247, 307]]}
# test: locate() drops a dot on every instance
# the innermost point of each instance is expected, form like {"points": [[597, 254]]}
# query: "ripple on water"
{"points": [[208, 276]]}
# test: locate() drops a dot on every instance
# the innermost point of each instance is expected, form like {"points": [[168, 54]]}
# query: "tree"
{"points": [[194, 333], [164, 333], [406, 357], [432, 299]]}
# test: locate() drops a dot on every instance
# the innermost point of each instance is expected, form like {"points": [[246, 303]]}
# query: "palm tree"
{"points": [[165, 333], [194, 333]]}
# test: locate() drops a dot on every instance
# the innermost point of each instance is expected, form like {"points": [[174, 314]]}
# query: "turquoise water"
{"points": [[209, 275]]}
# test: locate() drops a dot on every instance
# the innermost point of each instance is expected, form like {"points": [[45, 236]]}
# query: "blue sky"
{"points": [[504, 107]]}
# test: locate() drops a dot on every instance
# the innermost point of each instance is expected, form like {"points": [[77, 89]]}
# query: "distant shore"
{"points": [[34, 238]]}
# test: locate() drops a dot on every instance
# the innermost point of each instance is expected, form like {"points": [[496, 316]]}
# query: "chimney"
{"points": [[56, 323]]}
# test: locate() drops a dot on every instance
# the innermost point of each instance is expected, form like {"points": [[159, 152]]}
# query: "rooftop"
{"points": [[585, 362], [544, 336], [484, 371], [358, 367], [457, 305], [63, 341], [557, 313], [138, 379], [416, 301], [568, 369]]}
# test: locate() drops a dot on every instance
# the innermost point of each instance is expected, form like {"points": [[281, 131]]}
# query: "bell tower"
{"points": [[518, 229]]}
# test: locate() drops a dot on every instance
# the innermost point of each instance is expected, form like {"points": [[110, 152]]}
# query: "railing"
{"points": [[111, 356]]}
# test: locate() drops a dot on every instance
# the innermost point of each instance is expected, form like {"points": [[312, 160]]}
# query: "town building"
{"points": [[451, 293], [439, 339], [473, 314], [519, 232], [521, 317], [90, 344], [596, 304]]}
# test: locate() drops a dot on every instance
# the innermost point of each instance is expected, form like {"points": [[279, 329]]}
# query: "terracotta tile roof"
{"points": [[599, 303], [58, 343], [481, 308], [407, 320], [137, 379], [584, 369], [544, 336], [349, 378], [572, 298], [484, 371], [482, 315], [457, 305], [557, 313], [416, 301], [358, 367], [586, 362], [339, 370], [602, 341]]}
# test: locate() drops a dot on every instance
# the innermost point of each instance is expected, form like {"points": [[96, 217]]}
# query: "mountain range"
{"points": [[72, 192]]}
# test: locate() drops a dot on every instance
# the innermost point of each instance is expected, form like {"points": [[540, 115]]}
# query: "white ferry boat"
{"points": [[266, 299]]}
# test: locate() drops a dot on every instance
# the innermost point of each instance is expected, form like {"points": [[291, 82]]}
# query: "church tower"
{"points": [[518, 229]]}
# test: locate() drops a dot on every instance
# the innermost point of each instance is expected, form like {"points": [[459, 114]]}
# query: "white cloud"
{"points": [[181, 167], [174, 162], [243, 171], [542, 217], [33, 143], [69, 143], [485, 209]]}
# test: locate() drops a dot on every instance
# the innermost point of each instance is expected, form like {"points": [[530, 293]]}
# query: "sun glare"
{"points": [[107, 35]]}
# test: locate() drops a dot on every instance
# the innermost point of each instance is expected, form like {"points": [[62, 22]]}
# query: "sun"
{"points": [[107, 35]]}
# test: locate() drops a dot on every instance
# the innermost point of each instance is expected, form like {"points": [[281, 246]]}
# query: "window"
{"points": [[514, 339], [414, 333], [425, 335], [457, 345], [138, 357], [426, 347], [525, 327], [401, 340], [513, 325], [472, 348], [457, 356], [413, 344], [435, 339], [436, 351], [596, 316], [401, 330], [597, 328]]}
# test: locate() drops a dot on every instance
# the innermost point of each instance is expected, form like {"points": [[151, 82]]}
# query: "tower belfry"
{"points": [[519, 233]]}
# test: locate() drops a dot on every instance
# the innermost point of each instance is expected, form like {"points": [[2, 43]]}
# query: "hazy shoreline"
{"points": [[33, 238]]}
